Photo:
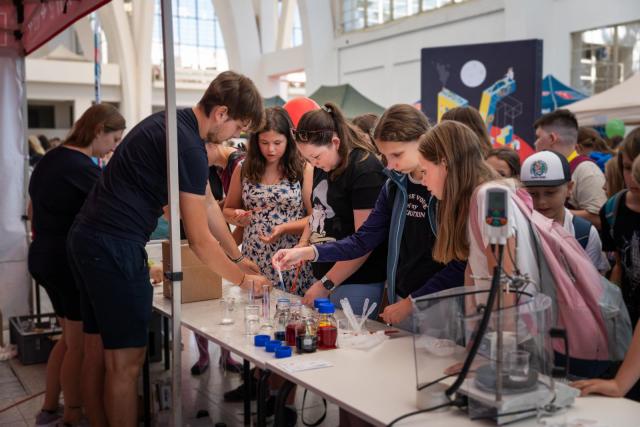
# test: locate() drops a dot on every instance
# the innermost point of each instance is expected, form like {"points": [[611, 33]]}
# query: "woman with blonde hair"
{"points": [[614, 180]]}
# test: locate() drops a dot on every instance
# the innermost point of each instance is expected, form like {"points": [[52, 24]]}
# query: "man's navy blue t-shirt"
{"points": [[128, 198]]}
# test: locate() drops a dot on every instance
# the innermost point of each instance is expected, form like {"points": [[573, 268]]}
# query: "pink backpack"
{"points": [[586, 305]]}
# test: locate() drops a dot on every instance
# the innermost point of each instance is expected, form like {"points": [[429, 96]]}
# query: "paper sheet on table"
{"points": [[303, 365]]}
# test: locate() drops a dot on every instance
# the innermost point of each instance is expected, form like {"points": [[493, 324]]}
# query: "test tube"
{"points": [[250, 297], [266, 304]]}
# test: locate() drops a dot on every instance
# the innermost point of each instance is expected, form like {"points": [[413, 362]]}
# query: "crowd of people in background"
{"points": [[384, 208]]}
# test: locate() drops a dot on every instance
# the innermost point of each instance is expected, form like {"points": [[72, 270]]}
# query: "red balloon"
{"points": [[298, 106]]}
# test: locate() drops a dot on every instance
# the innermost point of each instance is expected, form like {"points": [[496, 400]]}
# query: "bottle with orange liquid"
{"points": [[327, 327]]}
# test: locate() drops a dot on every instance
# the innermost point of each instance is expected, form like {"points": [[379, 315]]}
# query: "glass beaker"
{"points": [[228, 305], [251, 319], [518, 365]]}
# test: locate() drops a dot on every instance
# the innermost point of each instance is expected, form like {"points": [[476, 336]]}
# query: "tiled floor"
{"points": [[198, 393]]}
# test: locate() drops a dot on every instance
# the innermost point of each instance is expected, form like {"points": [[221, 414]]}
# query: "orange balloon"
{"points": [[298, 106]]}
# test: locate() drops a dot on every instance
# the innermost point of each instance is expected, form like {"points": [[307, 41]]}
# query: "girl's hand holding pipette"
{"points": [[286, 259]]}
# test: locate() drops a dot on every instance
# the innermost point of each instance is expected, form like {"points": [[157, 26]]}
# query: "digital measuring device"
{"points": [[496, 218]]}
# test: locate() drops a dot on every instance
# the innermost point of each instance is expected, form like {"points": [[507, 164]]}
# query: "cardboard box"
{"points": [[199, 282]]}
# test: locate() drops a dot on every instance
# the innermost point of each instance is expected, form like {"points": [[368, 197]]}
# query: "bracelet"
{"points": [[236, 260], [244, 276]]}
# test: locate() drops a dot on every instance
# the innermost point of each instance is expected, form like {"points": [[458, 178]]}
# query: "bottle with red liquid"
{"points": [[295, 325], [327, 327]]}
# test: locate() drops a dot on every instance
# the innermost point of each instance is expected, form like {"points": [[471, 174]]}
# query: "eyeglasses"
{"points": [[308, 135]]}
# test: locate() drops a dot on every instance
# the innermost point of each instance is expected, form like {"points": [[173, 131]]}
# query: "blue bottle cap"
{"points": [[318, 301], [272, 346], [326, 308], [261, 340], [282, 352]]}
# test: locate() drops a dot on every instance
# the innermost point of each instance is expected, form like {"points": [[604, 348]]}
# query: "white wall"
{"points": [[389, 56], [382, 62]]}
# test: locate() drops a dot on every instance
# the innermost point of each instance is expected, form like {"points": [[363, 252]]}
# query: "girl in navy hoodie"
{"points": [[404, 214]]}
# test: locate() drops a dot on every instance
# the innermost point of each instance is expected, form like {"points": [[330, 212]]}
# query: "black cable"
{"points": [[432, 408], [429, 384], [319, 420], [484, 323]]}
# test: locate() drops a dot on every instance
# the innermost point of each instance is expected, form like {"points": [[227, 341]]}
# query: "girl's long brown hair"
{"points": [[99, 117], [329, 118], [458, 147], [401, 123], [291, 163]]}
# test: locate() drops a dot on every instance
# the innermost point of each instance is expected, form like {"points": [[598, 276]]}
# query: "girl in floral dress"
{"points": [[270, 196]]}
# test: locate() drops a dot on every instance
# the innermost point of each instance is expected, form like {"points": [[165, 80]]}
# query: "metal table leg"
{"points": [[248, 380], [167, 348]]}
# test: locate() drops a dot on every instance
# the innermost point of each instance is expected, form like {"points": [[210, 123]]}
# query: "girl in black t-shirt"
{"points": [[58, 187], [346, 181]]}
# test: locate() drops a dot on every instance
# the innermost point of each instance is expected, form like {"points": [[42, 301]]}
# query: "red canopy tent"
{"points": [[25, 25]]}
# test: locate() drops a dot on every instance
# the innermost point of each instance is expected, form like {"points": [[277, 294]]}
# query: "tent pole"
{"points": [[175, 275]]}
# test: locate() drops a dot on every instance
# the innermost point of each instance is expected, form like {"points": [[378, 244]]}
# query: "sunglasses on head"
{"points": [[308, 135]]}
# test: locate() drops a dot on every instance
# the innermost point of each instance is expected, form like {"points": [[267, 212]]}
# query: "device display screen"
{"points": [[496, 200]]}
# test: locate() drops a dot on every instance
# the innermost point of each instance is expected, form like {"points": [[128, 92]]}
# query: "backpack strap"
{"points": [[582, 229], [611, 210]]}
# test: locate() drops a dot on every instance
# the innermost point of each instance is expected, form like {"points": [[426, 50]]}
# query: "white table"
{"points": [[377, 385], [380, 385], [204, 318]]}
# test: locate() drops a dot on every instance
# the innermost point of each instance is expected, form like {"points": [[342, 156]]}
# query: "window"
{"points": [[604, 57], [198, 42], [361, 14], [41, 116], [296, 32]]}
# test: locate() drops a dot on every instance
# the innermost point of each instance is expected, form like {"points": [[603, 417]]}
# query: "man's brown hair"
{"points": [[238, 94]]}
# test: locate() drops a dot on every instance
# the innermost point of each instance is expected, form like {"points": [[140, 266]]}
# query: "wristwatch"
{"points": [[327, 283]]}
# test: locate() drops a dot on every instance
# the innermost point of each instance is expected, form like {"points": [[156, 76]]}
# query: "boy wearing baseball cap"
{"points": [[547, 177]]}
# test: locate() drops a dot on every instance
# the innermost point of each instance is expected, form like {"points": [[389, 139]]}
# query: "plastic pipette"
{"points": [[366, 315], [281, 283]]}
